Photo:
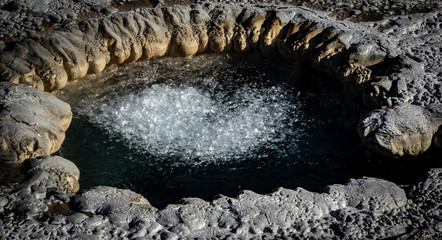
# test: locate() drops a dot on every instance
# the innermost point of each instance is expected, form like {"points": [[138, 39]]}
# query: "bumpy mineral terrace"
{"points": [[391, 63]]}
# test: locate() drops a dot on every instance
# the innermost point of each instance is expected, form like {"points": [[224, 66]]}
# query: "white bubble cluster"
{"points": [[188, 123], [197, 120]]}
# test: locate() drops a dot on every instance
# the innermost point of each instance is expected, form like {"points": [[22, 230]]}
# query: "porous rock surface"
{"points": [[26, 18], [420, 40], [418, 36], [108, 201], [32, 123], [366, 208], [427, 195]]}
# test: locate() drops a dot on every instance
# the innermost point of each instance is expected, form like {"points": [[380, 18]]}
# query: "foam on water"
{"points": [[200, 120]]}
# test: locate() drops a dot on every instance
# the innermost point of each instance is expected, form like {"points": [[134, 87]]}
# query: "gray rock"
{"points": [[417, 36], [428, 192], [51, 172], [371, 194], [97, 2], [32, 123], [284, 212], [427, 195], [403, 130], [121, 206]]}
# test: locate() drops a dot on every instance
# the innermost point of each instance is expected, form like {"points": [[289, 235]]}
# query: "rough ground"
{"points": [[407, 85], [45, 206]]}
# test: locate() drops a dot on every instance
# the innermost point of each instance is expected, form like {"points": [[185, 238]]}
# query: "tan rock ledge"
{"points": [[354, 54]]}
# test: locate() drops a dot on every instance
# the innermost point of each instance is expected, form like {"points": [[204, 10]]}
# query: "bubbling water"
{"points": [[195, 118], [196, 125], [174, 128]]}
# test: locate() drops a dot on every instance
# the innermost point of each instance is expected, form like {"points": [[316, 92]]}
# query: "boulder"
{"points": [[32, 123], [403, 130], [50, 172]]}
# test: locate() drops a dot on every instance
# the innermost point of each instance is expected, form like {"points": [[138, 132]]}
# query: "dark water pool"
{"points": [[217, 124]]}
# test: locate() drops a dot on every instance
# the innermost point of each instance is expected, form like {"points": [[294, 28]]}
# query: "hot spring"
{"points": [[216, 124]]}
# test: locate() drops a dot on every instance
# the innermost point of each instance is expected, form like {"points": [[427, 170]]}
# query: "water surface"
{"points": [[216, 124]]}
